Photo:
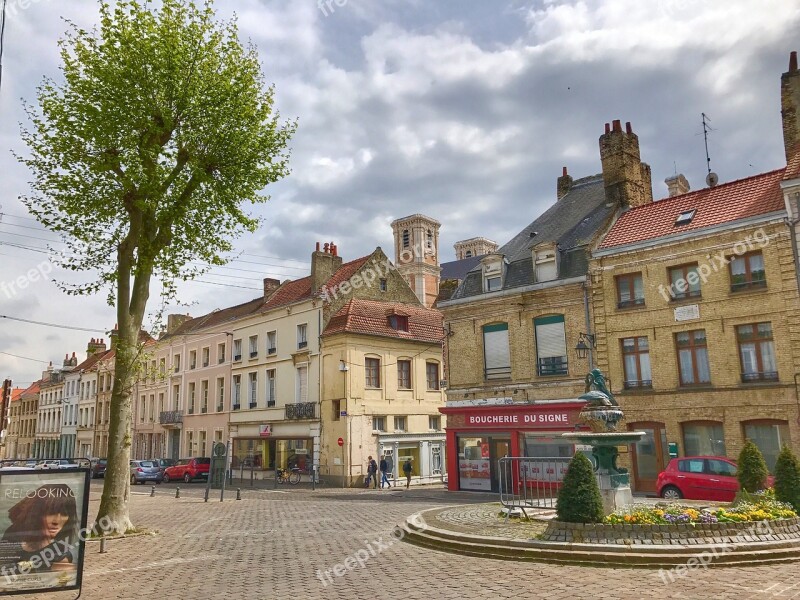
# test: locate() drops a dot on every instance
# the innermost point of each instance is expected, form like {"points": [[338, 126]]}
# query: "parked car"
{"points": [[58, 463], [98, 466], [143, 471], [700, 478], [188, 469], [163, 463]]}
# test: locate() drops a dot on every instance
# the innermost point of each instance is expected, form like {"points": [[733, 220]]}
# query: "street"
{"points": [[280, 544]]}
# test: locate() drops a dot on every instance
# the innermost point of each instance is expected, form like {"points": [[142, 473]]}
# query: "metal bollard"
{"points": [[205, 496], [152, 491], [177, 492], [103, 545], [238, 493]]}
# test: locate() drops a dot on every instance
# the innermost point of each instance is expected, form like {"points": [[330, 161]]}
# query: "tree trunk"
{"points": [[113, 513]]}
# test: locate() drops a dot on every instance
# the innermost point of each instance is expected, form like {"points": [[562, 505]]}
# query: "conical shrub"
{"points": [[787, 478], [752, 470], [579, 499]]}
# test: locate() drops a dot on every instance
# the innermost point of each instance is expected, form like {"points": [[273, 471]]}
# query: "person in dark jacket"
{"points": [[372, 473], [407, 470], [384, 468]]}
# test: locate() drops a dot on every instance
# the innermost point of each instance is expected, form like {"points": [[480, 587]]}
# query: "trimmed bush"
{"points": [[752, 470], [579, 499], [787, 478]]}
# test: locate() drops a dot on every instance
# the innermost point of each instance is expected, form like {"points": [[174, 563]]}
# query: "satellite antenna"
{"points": [[712, 178]]}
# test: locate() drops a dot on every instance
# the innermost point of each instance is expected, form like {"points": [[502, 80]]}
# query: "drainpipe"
{"points": [[588, 323]]}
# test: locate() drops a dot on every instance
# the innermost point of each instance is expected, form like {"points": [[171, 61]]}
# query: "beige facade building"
{"points": [[382, 365]]}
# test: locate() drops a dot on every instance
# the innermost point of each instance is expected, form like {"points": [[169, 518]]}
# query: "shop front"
{"points": [[264, 447], [478, 435], [425, 451]]}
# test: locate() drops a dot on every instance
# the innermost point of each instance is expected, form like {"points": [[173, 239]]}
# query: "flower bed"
{"points": [[756, 507]]}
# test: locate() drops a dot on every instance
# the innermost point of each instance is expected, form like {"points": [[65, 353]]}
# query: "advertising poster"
{"points": [[42, 530], [474, 468]]}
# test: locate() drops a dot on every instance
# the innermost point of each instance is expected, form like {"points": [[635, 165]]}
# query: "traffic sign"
{"points": [[341, 442]]}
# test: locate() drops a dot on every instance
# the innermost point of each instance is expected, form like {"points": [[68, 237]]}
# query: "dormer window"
{"points": [[685, 217], [398, 322], [493, 272], [544, 263]]}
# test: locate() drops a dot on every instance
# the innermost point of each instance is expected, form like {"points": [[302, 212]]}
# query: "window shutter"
{"points": [[302, 384], [495, 345], [551, 340]]}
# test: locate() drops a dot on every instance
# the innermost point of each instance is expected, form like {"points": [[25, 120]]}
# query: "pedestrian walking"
{"points": [[384, 466], [408, 469], [372, 473]]}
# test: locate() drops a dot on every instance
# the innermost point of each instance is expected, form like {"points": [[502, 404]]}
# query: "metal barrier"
{"points": [[531, 482]]}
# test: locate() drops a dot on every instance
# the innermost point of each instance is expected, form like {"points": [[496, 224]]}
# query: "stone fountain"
{"points": [[602, 415]]}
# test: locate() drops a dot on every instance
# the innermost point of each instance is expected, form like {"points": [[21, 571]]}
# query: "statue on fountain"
{"points": [[602, 396], [601, 412]]}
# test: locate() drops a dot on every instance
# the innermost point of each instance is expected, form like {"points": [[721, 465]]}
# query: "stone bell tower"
{"points": [[416, 255]]}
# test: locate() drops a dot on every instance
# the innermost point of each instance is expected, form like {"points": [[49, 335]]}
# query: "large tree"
{"points": [[144, 158]]}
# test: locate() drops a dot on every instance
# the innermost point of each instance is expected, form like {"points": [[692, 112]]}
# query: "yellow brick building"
{"points": [[697, 319]]}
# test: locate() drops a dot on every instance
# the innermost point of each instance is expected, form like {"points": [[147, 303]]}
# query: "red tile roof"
{"points": [[757, 195], [288, 293], [370, 317], [16, 393], [32, 388]]}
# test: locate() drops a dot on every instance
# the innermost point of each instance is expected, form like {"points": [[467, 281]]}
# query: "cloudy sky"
{"points": [[464, 110]]}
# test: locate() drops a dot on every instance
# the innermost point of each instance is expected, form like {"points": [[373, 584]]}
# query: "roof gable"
{"points": [[370, 317]]}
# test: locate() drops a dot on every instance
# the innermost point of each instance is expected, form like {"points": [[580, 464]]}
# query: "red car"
{"points": [[700, 478], [188, 469]]}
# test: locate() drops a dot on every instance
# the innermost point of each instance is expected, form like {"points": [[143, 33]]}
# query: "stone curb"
{"points": [[607, 555]]}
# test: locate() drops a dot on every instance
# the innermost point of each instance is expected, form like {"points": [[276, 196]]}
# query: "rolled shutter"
{"points": [[551, 340], [495, 346]]}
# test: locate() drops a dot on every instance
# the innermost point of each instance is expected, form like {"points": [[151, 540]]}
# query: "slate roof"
{"points": [[458, 269], [571, 223], [369, 317], [724, 203]]}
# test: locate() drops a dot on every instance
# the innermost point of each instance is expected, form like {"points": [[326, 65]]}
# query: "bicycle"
{"points": [[286, 476]]}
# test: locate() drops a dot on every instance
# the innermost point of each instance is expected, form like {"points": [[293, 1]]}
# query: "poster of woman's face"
{"points": [[42, 530]]}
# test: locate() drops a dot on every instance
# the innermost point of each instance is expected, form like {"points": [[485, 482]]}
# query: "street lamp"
{"points": [[586, 343]]}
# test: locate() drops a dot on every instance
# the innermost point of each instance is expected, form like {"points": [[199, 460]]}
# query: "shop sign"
{"points": [[520, 419], [265, 430]]}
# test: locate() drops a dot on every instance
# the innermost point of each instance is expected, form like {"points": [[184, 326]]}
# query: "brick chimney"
{"points": [[175, 321], [563, 184], [626, 178], [95, 346], [324, 263], [677, 185], [270, 286], [790, 104]]}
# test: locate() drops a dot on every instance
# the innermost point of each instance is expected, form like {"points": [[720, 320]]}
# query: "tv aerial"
{"points": [[712, 178]]}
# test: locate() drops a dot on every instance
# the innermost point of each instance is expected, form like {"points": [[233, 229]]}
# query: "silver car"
{"points": [[143, 471]]}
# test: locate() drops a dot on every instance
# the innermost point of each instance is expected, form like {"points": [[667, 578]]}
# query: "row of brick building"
{"points": [[688, 304]]}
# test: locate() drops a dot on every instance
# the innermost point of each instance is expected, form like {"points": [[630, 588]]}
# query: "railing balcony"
{"points": [[301, 410], [237, 357], [498, 373], [271, 350], [630, 303], [237, 406], [553, 365], [762, 376], [302, 345], [170, 417]]}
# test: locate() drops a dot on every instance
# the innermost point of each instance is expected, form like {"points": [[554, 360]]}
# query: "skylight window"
{"points": [[685, 217]]}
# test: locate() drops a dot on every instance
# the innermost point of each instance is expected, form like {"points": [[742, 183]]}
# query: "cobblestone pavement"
{"points": [[484, 520], [278, 545]]}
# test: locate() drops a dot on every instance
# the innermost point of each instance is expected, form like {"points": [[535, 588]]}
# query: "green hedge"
{"points": [[787, 478], [579, 499], [752, 470]]}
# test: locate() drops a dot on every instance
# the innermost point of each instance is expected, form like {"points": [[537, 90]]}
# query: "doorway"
{"points": [[498, 448], [648, 455]]}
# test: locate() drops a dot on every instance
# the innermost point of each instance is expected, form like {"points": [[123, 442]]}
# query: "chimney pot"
{"points": [[617, 125], [628, 128], [325, 248], [792, 61], [564, 172], [317, 246], [608, 128]]}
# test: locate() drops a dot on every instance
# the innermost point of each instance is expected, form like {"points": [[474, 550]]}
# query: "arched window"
{"points": [[406, 238], [430, 239], [468, 254]]}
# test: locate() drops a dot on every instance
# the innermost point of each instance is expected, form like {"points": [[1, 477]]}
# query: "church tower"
{"points": [[416, 255]]}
